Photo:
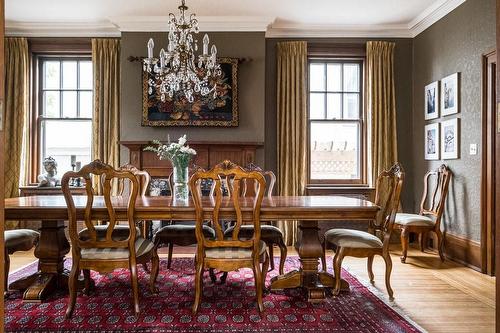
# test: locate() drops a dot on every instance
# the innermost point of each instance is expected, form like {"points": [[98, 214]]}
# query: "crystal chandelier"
{"points": [[178, 71]]}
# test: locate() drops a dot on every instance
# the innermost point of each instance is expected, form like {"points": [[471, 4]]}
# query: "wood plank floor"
{"points": [[440, 297]]}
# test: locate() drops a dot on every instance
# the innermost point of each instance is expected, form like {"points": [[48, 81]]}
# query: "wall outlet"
{"points": [[473, 149]]}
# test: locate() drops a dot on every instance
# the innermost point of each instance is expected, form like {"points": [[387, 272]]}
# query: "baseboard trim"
{"points": [[460, 249]]}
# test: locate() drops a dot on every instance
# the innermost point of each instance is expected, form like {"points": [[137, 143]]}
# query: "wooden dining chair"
{"points": [[431, 212], [361, 244], [271, 235], [180, 233], [229, 253], [104, 253]]}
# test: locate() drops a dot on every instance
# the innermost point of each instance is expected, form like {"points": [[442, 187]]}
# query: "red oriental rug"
{"points": [[225, 308]]}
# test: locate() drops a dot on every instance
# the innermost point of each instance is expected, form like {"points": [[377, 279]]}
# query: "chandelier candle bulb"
{"points": [[205, 45], [151, 45]]}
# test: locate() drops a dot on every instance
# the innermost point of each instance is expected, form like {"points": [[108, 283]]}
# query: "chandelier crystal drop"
{"points": [[178, 71]]}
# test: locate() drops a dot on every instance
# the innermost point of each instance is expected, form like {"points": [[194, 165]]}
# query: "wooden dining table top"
{"points": [[53, 207]]}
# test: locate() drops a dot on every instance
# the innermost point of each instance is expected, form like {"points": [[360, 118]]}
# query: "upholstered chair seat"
{"points": [[352, 239], [233, 252], [20, 240], [142, 246], [413, 220], [183, 233], [120, 232]]}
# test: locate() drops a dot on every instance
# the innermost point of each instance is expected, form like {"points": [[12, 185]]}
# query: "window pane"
{"points": [[334, 75], [51, 74], [317, 106], [69, 74], [334, 103], [86, 104], [86, 76], [69, 104], [317, 77], [335, 150], [51, 104], [351, 106], [351, 77], [61, 139]]}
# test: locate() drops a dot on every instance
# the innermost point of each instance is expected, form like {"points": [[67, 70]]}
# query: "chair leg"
{"points": [[283, 253], [155, 268], [169, 258], [258, 285], [6, 270], [388, 270], [370, 268], [323, 257], [270, 248], [265, 268], [405, 238], [421, 241], [72, 281], [223, 277], [337, 265], [86, 278], [198, 286], [212, 275], [135, 286], [440, 244]]}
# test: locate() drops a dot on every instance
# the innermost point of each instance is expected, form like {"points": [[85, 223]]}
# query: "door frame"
{"points": [[489, 144]]}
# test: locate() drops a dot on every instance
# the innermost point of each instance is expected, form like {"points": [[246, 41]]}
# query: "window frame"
{"points": [[362, 181], [38, 118]]}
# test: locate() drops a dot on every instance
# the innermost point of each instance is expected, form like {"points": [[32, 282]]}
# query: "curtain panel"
{"points": [[381, 97], [106, 116], [292, 125]]}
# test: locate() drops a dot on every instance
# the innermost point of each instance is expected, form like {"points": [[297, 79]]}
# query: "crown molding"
{"points": [[60, 29], [432, 14], [206, 23], [333, 31]]}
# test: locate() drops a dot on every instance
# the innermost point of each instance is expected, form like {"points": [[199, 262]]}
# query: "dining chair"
{"points": [[104, 253], [17, 240], [271, 235], [180, 233], [229, 253], [361, 244], [431, 212]]}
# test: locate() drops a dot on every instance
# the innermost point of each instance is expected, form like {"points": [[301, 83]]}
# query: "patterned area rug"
{"points": [[226, 307]]}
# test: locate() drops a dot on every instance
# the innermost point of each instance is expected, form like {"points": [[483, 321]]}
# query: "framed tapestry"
{"points": [[221, 111]]}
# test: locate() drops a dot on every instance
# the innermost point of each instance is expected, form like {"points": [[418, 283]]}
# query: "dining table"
{"points": [[306, 211]]}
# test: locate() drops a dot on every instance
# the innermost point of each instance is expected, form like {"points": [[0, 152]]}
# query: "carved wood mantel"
{"points": [[208, 155]]}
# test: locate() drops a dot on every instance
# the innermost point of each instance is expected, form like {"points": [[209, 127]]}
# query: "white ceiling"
{"points": [[398, 18]]}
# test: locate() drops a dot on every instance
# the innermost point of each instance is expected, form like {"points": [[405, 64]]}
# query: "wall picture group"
{"points": [[442, 138], [221, 110]]}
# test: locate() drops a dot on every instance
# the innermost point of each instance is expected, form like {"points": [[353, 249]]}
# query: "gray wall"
{"points": [[250, 86], [456, 43], [403, 74]]}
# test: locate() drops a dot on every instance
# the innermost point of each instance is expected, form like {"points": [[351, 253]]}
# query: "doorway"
{"points": [[489, 145]]}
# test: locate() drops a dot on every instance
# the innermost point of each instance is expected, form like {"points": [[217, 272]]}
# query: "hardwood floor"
{"points": [[440, 297]]}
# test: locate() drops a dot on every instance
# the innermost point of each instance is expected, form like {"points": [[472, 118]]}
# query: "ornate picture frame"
{"points": [[204, 112]]}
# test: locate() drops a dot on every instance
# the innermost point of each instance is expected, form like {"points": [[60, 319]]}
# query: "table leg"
{"points": [[307, 276], [51, 275]]}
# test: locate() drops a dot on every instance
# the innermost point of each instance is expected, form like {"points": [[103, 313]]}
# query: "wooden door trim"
{"points": [[488, 166]]}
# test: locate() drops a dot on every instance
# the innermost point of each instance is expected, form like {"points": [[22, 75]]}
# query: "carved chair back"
{"points": [[435, 191], [142, 176], [107, 174], [248, 190], [388, 192], [218, 201]]}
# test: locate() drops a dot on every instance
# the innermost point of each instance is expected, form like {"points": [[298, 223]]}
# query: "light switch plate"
{"points": [[473, 149]]}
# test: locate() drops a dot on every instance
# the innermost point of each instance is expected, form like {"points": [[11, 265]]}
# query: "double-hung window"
{"points": [[336, 122], [65, 99]]}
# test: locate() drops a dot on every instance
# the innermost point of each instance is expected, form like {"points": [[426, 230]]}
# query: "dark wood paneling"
{"points": [[462, 250], [208, 154], [2, 103], [497, 180]]}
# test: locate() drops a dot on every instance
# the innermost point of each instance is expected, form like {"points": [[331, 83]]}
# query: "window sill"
{"points": [[330, 189]]}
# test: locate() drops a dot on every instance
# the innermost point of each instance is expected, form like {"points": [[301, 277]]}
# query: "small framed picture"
{"points": [[450, 95], [432, 141], [432, 100], [450, 139]]}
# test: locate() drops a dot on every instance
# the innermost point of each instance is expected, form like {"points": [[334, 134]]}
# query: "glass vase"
{"points": [[180, 183]]}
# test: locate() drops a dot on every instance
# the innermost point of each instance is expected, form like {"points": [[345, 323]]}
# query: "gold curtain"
{"points": [[292, 125], [16, 111], [106, 117], [381, 105]]}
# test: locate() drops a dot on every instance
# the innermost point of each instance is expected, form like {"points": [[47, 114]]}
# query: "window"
{"points": [[336, 123], [65, 98]]}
